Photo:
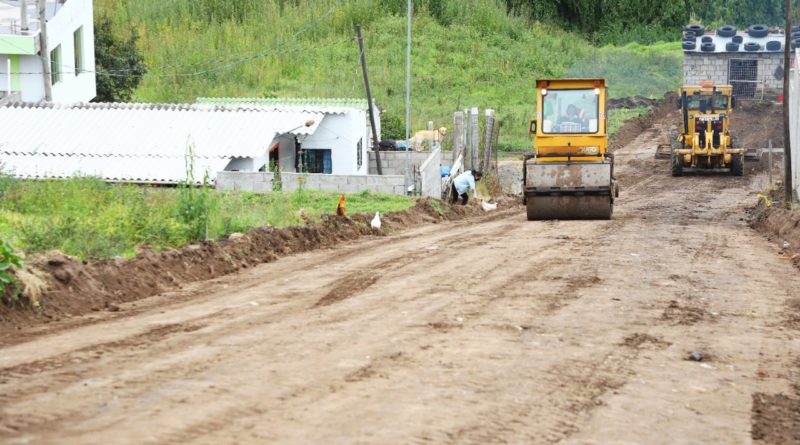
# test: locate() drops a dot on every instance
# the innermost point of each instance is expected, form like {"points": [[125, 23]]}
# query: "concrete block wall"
{"points": [[394, 162], [260, 182], [698, 67], [387, 184]]}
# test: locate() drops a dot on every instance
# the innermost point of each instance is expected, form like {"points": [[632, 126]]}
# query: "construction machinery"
{"points": [[570, 174], [705, 142]]}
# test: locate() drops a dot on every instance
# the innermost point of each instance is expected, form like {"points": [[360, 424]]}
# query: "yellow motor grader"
{"points": [[570, 174], [705, 142]]}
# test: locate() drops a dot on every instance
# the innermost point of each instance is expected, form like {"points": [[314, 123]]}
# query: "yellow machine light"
{"points": [[544, 91], [597, 91]]}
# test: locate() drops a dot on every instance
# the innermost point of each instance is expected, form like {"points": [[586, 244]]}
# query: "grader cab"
{"points": [[705, 142]]}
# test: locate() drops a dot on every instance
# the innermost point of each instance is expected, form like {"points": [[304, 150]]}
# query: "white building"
{"points": [[339, 145], [70, 43], [149, 143]]}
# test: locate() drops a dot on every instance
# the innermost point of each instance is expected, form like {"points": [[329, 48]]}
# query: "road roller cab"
{"points": [[570, 174]]}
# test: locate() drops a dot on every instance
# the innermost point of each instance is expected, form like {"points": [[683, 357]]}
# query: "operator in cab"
{"points": [[462, 185]]}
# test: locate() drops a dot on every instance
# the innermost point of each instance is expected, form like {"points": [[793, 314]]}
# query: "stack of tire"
{"points": [[690, 35], [759, 32]]}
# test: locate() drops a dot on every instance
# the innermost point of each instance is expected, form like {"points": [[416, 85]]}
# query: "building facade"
{"points": [[70, 44], [752, 65], [339, 146]]}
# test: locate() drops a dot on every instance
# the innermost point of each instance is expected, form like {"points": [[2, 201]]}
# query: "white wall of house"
{"points": [[74, 86], [341, 133]]}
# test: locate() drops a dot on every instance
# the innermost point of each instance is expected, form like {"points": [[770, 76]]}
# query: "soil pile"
{"points": [[781, 226], [73, 287]]}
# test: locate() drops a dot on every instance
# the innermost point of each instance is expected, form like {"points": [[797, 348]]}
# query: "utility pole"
{"points": [[45, 53], [408, 180], [375, 145], [787, 144], [23, 10]]}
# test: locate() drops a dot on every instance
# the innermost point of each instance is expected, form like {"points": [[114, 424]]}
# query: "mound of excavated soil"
{"points": [[73, 287], [633, 127], [781, 226], [754, 124]]}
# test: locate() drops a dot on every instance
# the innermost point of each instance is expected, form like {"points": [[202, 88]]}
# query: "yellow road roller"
{"points": [[570, 174]]}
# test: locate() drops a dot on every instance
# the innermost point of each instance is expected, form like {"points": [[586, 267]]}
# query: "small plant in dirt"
{"points": [[8, 260]]}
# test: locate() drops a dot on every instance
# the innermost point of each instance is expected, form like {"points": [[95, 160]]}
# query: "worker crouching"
{"points": [[462, 185]]}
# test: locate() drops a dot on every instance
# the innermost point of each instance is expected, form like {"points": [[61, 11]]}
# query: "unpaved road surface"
{"points": [[484, 331]]}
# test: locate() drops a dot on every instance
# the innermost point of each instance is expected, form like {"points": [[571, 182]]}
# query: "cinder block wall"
{"points": [[245, 181], [387, 184], [699, 67], [261, 182]]}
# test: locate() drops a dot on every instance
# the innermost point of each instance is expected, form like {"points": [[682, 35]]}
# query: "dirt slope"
{"points": [[491, 331]]}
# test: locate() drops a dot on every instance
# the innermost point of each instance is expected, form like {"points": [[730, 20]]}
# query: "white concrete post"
{"points": [[8, 77]]}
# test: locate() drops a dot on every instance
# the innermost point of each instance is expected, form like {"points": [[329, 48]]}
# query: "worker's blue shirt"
{"points": [[464, 182]]}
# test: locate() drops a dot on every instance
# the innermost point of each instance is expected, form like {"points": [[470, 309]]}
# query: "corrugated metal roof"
{"points": [[139, 142], [720, 43], [110, 168], [306, 103]]}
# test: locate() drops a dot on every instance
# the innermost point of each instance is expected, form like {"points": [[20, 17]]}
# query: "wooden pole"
{"points": [[375, 145], [45, 53], [787, 144]]}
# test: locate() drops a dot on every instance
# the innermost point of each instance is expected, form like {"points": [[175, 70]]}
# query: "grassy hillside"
{"points": [[465, 53]]}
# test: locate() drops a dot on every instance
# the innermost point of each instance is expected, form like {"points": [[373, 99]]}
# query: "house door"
{"points": [[743, 76]]}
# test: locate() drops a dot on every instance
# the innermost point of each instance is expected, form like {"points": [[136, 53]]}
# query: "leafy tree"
{"points": [[120, 66], [392, 127]]}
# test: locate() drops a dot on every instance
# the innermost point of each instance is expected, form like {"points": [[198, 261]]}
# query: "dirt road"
{"points": [[481, 331]]}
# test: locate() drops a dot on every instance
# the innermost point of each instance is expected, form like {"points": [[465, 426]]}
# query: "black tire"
{"points": [[708, 47], [737, 165], [732, 47], [795, 29], [707, 39], [697, 29], [738, 39], [688, 35], [726, 31], [689, 46], [676, 165], [795, 44], [758, 31], [752, 46], [774, 45], [795, 35]]}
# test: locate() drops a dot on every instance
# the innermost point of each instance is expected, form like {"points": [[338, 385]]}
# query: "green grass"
{"points": [[465, 53], [87, 218], [616, 118], [633, 69]]}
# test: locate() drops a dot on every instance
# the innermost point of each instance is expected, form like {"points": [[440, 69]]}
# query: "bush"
{"points": [[8, 260]]}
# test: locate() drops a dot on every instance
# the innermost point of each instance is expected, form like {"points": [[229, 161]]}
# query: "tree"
{"points": [[119, 65]]}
